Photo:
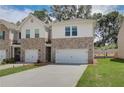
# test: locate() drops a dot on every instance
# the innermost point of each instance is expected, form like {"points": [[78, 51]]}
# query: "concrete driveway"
{"points": [[46, 76]]}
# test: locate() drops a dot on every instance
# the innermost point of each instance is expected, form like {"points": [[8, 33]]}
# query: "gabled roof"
{"points": [[31, 16], [9, 25]]}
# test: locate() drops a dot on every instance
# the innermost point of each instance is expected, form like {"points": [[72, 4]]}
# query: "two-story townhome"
{"points": [[69, 42], [9, 36], [34, 38], [72, 41]]}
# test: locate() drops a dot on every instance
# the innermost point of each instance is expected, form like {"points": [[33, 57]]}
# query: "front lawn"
{"points": [[16, 69], [105, 73]]}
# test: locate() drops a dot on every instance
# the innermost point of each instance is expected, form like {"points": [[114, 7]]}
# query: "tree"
{"points": [[66, 12], [107, 28], [57, 12], [42, 15], [84, 11], [18, 23]]}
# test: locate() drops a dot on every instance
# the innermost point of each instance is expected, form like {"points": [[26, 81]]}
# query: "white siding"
{"points": [[121, 42], [32, 26], [83, 29], [11, 35]]}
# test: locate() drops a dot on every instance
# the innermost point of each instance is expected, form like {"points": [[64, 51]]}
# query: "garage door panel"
{"points": [[31, 55], [72, 56], [2, 55]]}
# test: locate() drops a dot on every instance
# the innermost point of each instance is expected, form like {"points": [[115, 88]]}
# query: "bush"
{"points": [[8, 61], [12, 60], [3, 62], [38, 61]]}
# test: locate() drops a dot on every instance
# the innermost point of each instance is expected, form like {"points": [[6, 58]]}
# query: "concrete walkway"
{"points": [[10, 66], [46, 76]]}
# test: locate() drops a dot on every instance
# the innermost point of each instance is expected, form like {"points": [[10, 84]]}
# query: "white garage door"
{"points": [[72, 56], [31, 55], [2, 55]]}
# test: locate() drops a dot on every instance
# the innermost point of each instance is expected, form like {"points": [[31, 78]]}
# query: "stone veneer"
{"points": [[33, 43], [5, 44], [74, 43]]}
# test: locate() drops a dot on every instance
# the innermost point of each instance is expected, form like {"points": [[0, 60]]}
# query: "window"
{"points": [[36, 33], [27, 33], [67, 31], [74, 31], [2, 35]]}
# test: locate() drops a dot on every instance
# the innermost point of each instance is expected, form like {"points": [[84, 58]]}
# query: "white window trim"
{"points": [[65, 31], [71, 31], [36, 33], [26, 33]]}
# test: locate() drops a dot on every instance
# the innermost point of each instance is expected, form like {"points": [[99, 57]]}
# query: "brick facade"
{"points": [[34, 43], [5, 44], [74, 43]]}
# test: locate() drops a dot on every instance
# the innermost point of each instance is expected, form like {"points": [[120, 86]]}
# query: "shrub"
{"points": [[38, 61], [12, 60], [3, 62], [8, 61]]}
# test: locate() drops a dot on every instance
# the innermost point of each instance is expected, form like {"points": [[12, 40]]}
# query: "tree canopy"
{"points": [[42, 15], [107, 28], [66, 12]]}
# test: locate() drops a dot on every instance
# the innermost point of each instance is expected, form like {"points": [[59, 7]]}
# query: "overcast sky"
{"points": [[18, 12]]}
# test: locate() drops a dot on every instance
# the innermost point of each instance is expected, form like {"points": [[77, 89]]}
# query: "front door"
{"points": [[48, 54], [17, 53]]}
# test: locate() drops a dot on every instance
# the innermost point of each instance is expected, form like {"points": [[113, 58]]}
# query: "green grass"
{"points": [[9, 71], [105, 73]]}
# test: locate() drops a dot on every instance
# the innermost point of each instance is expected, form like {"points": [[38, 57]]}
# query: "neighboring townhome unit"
{"points": [[33, 39], [121, 42], [73, 41], [9, 36]]}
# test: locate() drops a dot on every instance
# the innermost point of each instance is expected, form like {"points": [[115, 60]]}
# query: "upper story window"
{"points": [[71, 31], [27, 33], [36, 33], [67, 31], [2, 35], [74, 30]]}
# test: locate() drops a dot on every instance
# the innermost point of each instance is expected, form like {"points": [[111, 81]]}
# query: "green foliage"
{"points": [[18, 23], [42, 15], [107, 28], [66, 12], [8, 61], [38, 61]]}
